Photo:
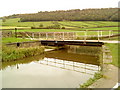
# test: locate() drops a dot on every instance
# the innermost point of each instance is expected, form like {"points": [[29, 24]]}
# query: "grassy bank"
{"points": [[114, 52], [13, 39], [92, 80], [12, 54]]}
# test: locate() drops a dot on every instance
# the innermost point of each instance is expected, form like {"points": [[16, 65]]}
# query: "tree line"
{"points": [[102, 14]]}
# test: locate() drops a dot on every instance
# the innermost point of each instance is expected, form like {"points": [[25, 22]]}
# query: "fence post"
{"points": [[16, 32]]}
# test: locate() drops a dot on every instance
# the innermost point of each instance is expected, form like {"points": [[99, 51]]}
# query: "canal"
{"points": [[65, 68]]}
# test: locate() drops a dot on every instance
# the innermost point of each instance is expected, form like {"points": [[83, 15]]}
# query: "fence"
{"points": [[82, 35]]}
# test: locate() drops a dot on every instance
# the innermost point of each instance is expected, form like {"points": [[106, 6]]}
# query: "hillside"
{"points": [[103, 14]]}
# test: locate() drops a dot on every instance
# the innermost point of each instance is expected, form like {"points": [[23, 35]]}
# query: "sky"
{"points": [[9, 7]]}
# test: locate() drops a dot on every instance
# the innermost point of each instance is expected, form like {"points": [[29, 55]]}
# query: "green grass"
{"points": [[12, 27], [67, 24], [89, 24], [13, 39], [14, 22], [71, 25], [12, 54], [104, 28], [114, 48], [45, 30], [92, 80]]}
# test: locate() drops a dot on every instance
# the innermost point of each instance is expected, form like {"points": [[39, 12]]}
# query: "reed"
{"points": [[12, 54]]}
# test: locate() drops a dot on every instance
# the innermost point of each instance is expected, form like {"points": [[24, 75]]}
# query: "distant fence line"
{"points": [[61, 35], [25, 44], [7, 33]]}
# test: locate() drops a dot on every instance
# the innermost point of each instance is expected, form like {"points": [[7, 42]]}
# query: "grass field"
{"points": [[89, 24], [76, 25], [13, 39], [15, 22], [72, 26]]}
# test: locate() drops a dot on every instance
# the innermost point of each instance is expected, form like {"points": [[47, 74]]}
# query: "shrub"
{"points": [[56, 26], [63, 27], [41, 25]]}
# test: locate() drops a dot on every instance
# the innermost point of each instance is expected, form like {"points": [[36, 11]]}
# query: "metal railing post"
{"points": [[39, 35], [85, 36], [98, 36], [47, 36], [63, 35]]}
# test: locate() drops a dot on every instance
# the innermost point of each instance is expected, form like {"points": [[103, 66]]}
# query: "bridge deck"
{"points": [[71, 42]]}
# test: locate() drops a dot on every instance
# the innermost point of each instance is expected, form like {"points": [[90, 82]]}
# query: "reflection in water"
{"points": [[17, 66], [71, 65], [82, 58], [54, 69], [22, 61]]}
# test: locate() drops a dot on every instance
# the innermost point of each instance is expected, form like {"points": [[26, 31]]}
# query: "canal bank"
{"points": [[110, 77], [19, 50], [110, 71]]}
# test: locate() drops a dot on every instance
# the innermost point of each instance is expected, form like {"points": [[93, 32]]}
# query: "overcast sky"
{"points": [[9, 7]]}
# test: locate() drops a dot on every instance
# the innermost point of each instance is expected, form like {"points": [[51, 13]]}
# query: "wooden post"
{"points": [[16, 32]]}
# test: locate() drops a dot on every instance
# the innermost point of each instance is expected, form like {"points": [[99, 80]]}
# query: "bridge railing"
{"points": [[48, 35], [78, 35], [96, 35]]}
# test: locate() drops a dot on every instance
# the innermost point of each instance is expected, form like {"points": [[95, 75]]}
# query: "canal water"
{"points": [[66, 68]]}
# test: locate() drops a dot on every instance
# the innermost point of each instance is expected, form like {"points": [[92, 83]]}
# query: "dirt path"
{"points": [[110, 72]]}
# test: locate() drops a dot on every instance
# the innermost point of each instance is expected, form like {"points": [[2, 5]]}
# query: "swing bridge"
{"points": [[86, 38]]}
